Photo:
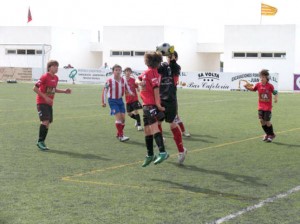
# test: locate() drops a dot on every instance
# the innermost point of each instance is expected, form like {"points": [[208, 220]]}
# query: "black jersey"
{"points": [[167, 88]]}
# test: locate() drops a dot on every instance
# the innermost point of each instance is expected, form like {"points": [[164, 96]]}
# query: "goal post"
{"points": [[18, 59]]}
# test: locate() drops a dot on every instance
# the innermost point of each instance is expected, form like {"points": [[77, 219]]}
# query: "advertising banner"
{"points": [[296, 82]]}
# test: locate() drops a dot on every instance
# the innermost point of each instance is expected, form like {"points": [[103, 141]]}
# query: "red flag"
{"points": [[29, 16]]}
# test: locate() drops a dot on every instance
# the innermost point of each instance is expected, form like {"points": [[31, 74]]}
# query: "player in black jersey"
{"points": [[168, 96]]}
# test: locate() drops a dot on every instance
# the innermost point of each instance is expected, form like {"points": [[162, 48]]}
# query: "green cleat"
{"points": [[41, 146], [162, 156], [148, 160]]}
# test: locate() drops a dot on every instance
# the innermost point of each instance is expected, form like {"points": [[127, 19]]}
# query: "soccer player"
{"points": [[169, 72], [177, 70], [265, 91], [132, 101], [45, 89], [149, 83], [114, 89]]}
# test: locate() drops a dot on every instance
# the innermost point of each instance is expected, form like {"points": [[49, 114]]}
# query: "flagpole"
{"points": [[260, 12]]}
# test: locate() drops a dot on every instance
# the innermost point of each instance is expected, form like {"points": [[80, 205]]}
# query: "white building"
{"points": [[246, 49], [254, 47]]}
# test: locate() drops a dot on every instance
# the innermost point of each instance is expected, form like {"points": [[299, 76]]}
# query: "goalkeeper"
{"points": [[265, 91]]}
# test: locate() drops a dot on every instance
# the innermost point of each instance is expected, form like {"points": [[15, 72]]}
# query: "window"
{"points": [[126, 53], [238, 54], [266, 55], [30, 51], [21, 51], [279, 55], [251, 55], [259, 55], [11, 51], [115, 53], [139, 53], [39, 52]]}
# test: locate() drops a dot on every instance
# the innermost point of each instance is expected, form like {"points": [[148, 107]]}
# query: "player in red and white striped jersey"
{"points": [[113, 92]]}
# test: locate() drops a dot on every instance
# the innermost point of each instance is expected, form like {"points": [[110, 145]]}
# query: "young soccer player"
{"points": [[149, 83], [265, 91], [45, 89], [114, 89], [132, 101], [176, 72], [168, 96]]}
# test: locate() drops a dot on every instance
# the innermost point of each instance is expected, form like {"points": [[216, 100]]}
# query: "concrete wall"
{"points": [[261, 38], [130, 38]]}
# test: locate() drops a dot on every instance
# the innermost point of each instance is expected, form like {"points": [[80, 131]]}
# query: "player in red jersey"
{"points": [[45, 89], [132, 101], [114, 89], [265, 91], [149, 83]]}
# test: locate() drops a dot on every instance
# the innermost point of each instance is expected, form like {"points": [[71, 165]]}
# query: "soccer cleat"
{"points": [[265, 138], [41, 146], [148, 160], [123, 138], [181, 156], [161, 157], [140, 128], [270, 138], [186, 134]]}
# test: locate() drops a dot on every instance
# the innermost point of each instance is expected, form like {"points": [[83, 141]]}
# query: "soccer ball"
{"points": [[165, 49]]}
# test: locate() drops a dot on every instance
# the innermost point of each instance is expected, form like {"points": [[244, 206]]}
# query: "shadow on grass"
{"points": [[194, 137], [243, 179], [132, 142], [77, 155], [288, 145], [209, 192]]}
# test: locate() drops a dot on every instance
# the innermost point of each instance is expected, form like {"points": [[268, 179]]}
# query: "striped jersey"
{"points": [[114, 89]]}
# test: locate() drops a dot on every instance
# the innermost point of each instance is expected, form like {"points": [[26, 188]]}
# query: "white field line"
{"points": [[256, 206]]}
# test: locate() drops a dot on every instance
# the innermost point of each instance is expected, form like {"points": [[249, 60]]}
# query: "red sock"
{"points": [[119, 129], [178, 138], [181, 127], [160, 128]]}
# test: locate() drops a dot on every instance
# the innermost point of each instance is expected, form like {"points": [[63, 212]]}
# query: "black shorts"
{"points": [[170, 110], [133, 106], [45, 112], [151, 115], [264, 115]]}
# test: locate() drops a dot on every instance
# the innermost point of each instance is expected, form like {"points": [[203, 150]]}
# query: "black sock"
{"points": [[132, 116], [265, 127], [271, 132], [159, 141], [43, 133], [138, 119], [149, 144]]}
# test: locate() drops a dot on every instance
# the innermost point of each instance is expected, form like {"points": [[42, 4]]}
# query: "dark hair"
{"points": [[265, 73], [52, 63], [175, 55], [116, 66], [128, 69], [153, 59]]}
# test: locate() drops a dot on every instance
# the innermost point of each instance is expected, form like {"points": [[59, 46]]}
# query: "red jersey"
{"points": [[132, 86], [264, 96], [114, 89], [47, 84], [151, 79]]}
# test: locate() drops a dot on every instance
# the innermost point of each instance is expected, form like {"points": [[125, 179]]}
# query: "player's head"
{"points": [[117, 69], [264, 75], [52, 66], [153, 59], [127, 71]]}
